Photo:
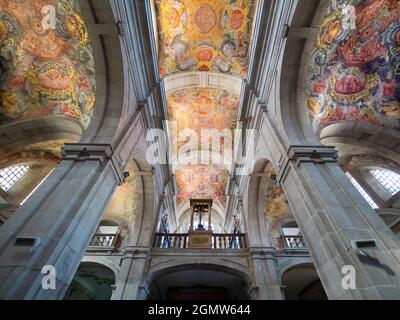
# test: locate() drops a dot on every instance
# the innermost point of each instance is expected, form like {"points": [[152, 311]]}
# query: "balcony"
{"points": [[294, 242], [103, 242], [219, 241]]}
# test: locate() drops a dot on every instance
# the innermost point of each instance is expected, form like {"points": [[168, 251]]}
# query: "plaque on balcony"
{"points": [[200, 239]]}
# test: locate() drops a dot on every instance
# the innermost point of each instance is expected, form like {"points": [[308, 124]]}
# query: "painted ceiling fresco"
{"points": [[204, 35], [202, 108], [45, 71], [355, 73], [201, 182], [198, 109]]}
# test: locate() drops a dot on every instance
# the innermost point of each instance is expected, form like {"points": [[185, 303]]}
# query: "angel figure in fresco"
{"points": [[222, 64]]}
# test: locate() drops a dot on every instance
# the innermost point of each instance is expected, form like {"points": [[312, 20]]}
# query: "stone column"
{"points": [[132, 271], [261, 252], [339, 226], [267, 285], [55, 226]]}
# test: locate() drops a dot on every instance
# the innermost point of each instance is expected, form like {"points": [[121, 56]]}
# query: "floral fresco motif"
{"points": [[202, 108], [204, 35], [45, 71], [355, 71], [198, 109], [202, 182]]}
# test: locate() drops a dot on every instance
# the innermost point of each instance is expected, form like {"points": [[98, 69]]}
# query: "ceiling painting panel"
{"points": [[355, 67], [201, 182], [204, 35], [45, 71], [200, 109]]}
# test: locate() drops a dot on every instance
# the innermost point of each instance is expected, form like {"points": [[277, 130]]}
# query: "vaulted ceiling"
{"points": [[354, 69], [204, 35], [210, 37], [45, 71]]}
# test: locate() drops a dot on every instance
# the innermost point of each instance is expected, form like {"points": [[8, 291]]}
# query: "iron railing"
{"points": [[103, 240], [294, 242], [181, 241]]}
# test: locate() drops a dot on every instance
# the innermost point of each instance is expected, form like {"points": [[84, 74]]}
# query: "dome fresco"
{"points": [[45, 71], [204, 35], [354, 72]]}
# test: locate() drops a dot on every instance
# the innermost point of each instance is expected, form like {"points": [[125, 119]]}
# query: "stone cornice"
{"points": [[93, 152], [301, 154]]}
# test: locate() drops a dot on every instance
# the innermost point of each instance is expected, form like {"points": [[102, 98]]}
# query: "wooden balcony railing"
{"points": [[181, 241], [294, 242], [103, 240]]}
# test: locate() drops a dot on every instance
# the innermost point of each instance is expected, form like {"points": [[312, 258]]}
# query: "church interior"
{"points": [[199, 150]]}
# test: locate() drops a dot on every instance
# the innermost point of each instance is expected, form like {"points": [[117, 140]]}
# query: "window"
{"points": [[11, 175], [388, 179], [291, 231], [362, 191], [108, 229]]}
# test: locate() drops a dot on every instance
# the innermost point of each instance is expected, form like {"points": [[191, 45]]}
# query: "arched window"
{"points": [[11, 175], [388, 179], [362, 191]]}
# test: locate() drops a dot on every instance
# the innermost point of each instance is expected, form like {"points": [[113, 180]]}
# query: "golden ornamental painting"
{"points": [[354, 72], [204, 35], [200, 109], [45, 71], [201, 181]]}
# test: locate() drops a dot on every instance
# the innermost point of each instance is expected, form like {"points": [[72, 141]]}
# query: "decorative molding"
{"points": [[184, 80], [93, 152], [300, 154]]}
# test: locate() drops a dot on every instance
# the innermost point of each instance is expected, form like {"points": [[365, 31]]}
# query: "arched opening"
{"points": [[301, 282], [198, 282], [92, 281]]}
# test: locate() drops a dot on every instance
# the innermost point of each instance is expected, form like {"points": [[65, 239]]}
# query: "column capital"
{"points": [[262, 252], [94, 152], [299, 154], [86, 152]]}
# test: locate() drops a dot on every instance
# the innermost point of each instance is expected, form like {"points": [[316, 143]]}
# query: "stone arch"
{"points": [[215, 267], [254, 206], [147, 209], [110, 74], [268, 207], [194, 262], [104, 261], [98, 276], [301, 282], [206, 264], [292, 109], [289, 263]]}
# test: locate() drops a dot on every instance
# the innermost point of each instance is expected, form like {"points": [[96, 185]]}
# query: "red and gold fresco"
{"points": [[204, 35], [200, 109], [201, 182], [355, 72], [45, 71]]}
